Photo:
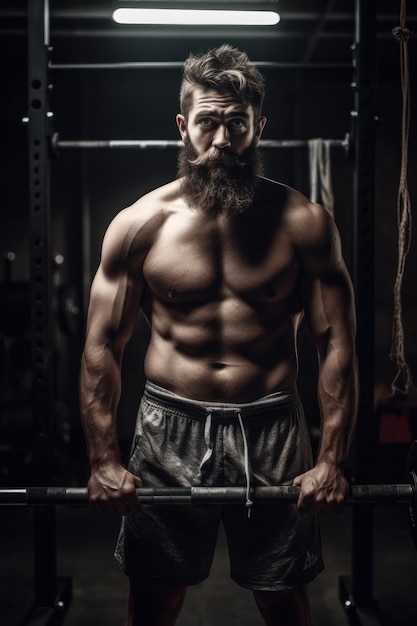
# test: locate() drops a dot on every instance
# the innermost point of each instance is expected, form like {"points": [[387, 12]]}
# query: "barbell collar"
{"points": [[359, 494]]}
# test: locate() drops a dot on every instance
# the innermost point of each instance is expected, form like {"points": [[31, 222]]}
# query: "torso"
{"points": [[222, 299]]}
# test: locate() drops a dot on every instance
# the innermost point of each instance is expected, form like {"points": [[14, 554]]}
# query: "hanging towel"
{"points": [[320, 173]]}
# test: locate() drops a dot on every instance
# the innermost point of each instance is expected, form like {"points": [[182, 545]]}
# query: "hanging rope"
{"points": [[403, 379]]}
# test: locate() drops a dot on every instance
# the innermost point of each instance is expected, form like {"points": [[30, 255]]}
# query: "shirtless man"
{"points": [[224, 264]]}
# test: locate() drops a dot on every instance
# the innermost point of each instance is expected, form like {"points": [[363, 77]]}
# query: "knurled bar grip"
{"points": [[364, 494]]}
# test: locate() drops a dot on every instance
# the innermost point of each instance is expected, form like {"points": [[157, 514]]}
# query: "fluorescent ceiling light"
{"points": [[196, 17]]}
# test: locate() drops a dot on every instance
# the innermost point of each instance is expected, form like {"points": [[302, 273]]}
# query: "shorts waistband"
{"points": [[215, 412], [199, 409]]}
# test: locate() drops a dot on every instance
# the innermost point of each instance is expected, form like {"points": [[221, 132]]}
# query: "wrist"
{"points": [[100, 461], [336, 463]]}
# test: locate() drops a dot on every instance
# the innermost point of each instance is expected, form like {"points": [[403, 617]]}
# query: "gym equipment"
{"points": [[104, 144], [77, 496], [358, 494], [411, 475]]}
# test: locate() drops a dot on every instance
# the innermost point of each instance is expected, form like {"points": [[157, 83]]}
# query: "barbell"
{"points": [[358, 494], [50, 496]]}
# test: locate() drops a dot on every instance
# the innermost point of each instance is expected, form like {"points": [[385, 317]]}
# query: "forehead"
{"points": [[206, 100]]}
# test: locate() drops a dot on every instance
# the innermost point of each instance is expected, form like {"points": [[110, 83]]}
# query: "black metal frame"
{"points": [[52, 596], [357, 593], [159, 65]]}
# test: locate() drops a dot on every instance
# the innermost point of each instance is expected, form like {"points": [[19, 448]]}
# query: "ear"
{"points": [[182, 126], [259, 128]]}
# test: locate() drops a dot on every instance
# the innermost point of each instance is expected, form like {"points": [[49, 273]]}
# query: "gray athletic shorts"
{"points": [[180, 443]]}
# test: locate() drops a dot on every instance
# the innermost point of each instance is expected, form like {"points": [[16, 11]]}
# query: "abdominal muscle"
{"points": [[209, 356]]}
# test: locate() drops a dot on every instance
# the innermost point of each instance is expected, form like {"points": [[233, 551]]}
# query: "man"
{"points": [[224, 264]]}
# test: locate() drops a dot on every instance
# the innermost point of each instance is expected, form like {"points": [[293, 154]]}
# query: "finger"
{"points": [[97, 503], [137, 481], [106, 505], [305, 503], [133, 499], [339, 505], [129, 501], [332, 505]]}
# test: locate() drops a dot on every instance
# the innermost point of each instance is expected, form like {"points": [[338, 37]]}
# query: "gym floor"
{"points": [[85, 541]]}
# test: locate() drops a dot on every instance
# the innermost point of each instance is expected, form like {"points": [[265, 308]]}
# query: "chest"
{"points": [[197, 260]]}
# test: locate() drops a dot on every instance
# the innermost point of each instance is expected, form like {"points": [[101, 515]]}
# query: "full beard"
{"points": [[218, 182]]}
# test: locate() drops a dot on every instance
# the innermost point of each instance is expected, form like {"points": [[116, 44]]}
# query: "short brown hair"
{"points": [[223, 69]]}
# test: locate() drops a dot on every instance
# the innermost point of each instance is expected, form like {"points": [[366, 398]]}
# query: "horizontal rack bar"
{"points": [[159, 65], [146, 143]]}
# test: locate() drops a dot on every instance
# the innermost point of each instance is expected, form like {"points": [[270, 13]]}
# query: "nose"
{"points": [[222, 138]]}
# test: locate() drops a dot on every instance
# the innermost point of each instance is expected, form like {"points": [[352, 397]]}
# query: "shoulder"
{"points": [[134, 229], [306, 221], [151, 208], [311, 223]]}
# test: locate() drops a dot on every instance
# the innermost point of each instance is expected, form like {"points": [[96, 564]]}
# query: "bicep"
{"points": [[118, 286], [329, 310], [327, 292], [113, 309]]}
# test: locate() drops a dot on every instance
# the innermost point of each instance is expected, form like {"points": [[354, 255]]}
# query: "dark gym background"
{"points": [[89, 187]]}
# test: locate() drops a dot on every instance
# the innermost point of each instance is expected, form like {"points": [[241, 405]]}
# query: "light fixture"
{"points": [[196, 17]]}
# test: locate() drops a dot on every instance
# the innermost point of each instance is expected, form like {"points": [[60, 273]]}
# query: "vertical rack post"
{"points": [[358, 591], [364, 224], [51, 596], [40, 259]]}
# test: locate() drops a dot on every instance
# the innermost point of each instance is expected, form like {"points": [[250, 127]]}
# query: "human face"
{"points": [[218, 122]]}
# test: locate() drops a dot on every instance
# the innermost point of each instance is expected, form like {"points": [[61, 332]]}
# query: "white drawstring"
{"points": [[249, 502], [209, 451], [208, 442]]}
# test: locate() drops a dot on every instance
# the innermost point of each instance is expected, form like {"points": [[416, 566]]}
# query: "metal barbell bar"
{"points": [[358, 494]]}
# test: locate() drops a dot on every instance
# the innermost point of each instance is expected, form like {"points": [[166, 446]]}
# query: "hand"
{"points": [[323, 489], [112, 489]]}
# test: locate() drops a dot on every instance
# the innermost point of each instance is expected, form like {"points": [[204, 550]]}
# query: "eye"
{"points": [[206, 122], [238, 124]]}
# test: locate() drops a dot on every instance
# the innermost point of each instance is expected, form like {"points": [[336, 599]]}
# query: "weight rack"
{"points": [[54, 595]]}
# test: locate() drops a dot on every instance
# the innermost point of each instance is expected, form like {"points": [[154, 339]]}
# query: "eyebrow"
{"points": [[213, 113]]}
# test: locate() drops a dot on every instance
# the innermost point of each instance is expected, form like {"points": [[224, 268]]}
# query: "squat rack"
{"points": [[52, 596]]}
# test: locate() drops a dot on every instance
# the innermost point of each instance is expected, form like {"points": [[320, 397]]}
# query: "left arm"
{"points": [[329, 308]]}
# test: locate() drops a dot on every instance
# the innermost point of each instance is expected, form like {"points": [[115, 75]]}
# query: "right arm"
{"points": [[115, 299]]}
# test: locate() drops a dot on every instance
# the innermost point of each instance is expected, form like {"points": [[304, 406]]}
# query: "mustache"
{"points": [[216, 190], [216, 155]]}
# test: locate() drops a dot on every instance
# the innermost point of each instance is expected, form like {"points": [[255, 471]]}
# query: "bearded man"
{"points": [[224, 264]]}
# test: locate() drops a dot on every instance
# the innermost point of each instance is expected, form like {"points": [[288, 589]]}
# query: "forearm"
{"points": [[100, 386], [338, 399]]}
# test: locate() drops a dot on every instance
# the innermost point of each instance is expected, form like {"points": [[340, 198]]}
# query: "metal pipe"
{"points": [[370, 494], [158, 65], [149, 143]]}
